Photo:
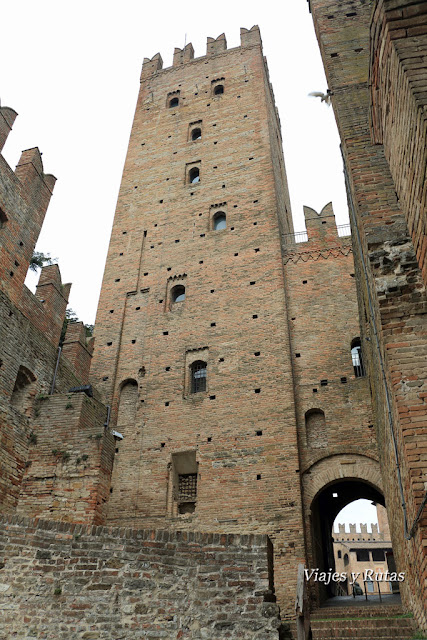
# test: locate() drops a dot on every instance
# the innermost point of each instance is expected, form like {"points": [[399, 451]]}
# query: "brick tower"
{"points": [[192, 346]]}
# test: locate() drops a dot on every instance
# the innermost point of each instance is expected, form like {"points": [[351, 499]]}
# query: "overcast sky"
{"points": [[71, 71]]}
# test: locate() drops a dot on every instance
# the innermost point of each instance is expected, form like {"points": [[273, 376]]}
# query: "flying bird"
{"points": [[324, 97]]}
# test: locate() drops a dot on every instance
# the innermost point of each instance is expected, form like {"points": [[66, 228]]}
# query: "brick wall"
{"points": [[66, 581], [390, 285], [241, 431]]}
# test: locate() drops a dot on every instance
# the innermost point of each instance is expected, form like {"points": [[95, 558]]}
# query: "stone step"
{"points": [[362, 628], [357, 612]]}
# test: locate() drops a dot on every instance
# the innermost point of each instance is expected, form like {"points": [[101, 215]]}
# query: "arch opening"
{"points": [[351, 538]]}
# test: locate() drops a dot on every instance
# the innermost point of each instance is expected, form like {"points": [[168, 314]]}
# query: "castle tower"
{"points": [[191, 342]]}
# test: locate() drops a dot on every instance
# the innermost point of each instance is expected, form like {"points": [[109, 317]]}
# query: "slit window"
{"points": [[357, 359], [198, 376], [219, 221]]}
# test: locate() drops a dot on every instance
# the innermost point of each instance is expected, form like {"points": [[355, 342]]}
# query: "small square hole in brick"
{"points": [[258, 433], [137, 308], [210, 439], [253, 282], [117, 450], [111, 489], [111, 310], [256, 250], [344, 380], [255, 201], [165, 333], [167, 368], [166, 404], [120, 254], [213, 324], [324, 383], [257, 353], [200, 261], [168, 268], [212, 397], [117, 280], [146, 273], [124, 233], [314, 390], [258, 476], [257, 390], [235, 255], [162, 444], [176, 240], [255, 224], [221, 360], [160, 301], [297, 355], [161, 201], [133, 341], [304, 281], [212, 290], [254, 316], [109, 344], [202, 235], [105, 378]]}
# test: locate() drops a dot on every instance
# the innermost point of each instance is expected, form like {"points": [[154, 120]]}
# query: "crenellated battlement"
{"points": [[321, 230], [248, 38]]}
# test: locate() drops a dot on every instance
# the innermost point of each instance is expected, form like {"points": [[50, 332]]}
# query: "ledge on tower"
{"points": [[7, 118], [180, 56], [151, 66], [216, 45], [249, 37]]}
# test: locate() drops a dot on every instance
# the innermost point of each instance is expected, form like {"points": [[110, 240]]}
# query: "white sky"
{"points": [[357, 512]]}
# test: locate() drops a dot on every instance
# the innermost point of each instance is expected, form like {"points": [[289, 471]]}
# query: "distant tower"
{"points": [[192, 347]]}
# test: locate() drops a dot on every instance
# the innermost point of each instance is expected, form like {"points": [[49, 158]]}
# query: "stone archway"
{"points": [[328, 486]]}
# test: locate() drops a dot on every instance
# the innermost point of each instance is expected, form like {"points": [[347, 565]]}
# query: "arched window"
{"points": [[346, 560], [24, 390], [173, 102], [194, 175], [198, 376], [127, 403], [196, 134], [315, 426], [219, 89], [178, 293], [219, 221], [356, 357]]}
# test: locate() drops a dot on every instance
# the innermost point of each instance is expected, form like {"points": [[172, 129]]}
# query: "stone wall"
{"points": [[67, 582]]}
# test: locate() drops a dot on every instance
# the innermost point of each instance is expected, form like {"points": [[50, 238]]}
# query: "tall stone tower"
{"points": [[192, 345]]}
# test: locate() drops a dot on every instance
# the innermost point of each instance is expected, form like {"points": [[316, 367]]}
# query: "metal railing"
{"points": [[343, 230]]}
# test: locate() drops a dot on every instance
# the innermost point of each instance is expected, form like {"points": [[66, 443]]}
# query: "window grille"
{"points": [[198, 376], [187, 487]]}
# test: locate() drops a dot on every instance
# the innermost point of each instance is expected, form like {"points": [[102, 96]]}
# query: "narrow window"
{"points": [[173, 102], [196, 134], [178, 293], [356, 357], [194, 175], [346, 560], [339, 554], [219, 221], [184, 481], [219, 89], [198, 376]]}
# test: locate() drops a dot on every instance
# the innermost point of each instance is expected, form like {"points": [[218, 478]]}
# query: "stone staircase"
{"points": [[363, 623]]}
